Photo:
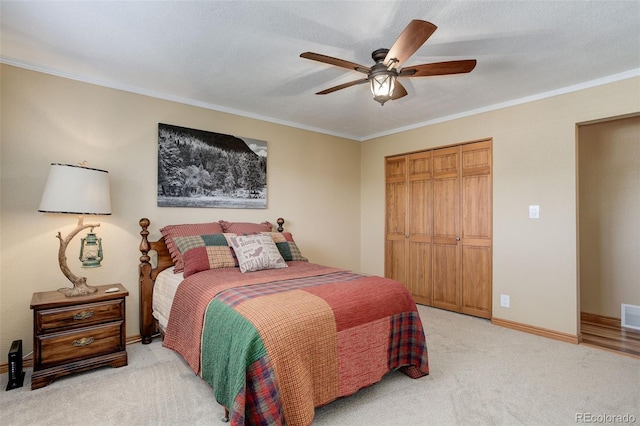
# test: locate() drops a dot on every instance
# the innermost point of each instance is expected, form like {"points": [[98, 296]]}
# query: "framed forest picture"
{"points": [[197, 168]]}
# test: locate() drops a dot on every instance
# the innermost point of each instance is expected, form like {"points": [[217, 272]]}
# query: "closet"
{"points": [[438, 238]]}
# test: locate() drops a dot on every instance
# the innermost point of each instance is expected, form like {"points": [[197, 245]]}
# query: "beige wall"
{"points": [[609, 170], [534, 158], [313, 182]]}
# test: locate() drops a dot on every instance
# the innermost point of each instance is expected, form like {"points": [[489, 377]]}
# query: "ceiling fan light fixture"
{"points": [[387, 68], [382, 86]]}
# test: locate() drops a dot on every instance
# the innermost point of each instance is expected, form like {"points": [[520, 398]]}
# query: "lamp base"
{"points": [[81, 289], [80, 286]]}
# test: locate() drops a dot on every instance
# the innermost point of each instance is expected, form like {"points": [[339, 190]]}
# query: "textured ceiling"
{"points": [[243, 56]]}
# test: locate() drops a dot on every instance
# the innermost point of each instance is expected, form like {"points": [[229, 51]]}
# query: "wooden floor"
{"points": [[606, 333]]}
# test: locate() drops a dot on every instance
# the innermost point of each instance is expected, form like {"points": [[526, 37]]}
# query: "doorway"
{"points": [[608, 154]]}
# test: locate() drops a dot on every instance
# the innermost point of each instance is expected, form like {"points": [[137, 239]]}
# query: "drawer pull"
{"points": [[83, 315], [83, 342]]}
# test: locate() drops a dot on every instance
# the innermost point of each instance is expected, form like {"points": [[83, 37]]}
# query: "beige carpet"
{"points": [[481, 374]]}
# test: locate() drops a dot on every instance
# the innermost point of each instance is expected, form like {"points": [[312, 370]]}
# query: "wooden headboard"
{"points": [[148, 273]]}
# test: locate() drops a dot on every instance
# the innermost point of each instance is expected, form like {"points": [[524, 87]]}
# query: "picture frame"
{"points": [[198, 168]]}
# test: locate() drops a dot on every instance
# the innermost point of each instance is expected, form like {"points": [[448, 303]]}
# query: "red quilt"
{"points": [[280, 342]]}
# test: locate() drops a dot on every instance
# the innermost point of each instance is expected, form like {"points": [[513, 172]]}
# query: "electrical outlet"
{"points": [[504, 300], [534, 212]]}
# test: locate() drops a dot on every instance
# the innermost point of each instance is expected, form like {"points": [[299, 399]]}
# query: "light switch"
{"points": [[534, 212]]}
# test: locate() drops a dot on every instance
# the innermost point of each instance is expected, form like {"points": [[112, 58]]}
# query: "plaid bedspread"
{"points": [[276, 344]]}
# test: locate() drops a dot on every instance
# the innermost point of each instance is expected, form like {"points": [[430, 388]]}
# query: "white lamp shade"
{"points": [[76, 190]]}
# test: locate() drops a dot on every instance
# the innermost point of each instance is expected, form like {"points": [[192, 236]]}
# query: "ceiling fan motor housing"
{"points": [[379, 55]]}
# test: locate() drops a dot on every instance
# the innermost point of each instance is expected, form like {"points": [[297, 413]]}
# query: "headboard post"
{"points": [[144, 244], [147, 323]]}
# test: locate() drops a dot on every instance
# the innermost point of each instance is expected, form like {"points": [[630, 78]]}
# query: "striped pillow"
{"points": [[204, 252]]}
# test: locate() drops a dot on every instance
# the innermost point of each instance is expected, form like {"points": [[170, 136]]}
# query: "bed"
{"points": [[273, 334]]}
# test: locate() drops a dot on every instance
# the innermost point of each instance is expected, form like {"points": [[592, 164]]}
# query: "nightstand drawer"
{"points": [[70, 346], [79, 316]]}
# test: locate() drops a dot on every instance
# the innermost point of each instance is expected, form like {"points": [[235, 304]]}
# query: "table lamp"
{"points": [[79, 190]]}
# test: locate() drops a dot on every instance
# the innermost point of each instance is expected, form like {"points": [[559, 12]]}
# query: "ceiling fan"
{"points": [[382, 76]]}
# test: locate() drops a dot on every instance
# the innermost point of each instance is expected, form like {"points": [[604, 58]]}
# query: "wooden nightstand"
{"points": [[72, 334]]}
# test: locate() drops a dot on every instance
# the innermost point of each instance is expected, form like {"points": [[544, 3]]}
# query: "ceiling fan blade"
{"points": [[439, 68], [399, 91], [335, 61], [414, 36], [343, 86]]}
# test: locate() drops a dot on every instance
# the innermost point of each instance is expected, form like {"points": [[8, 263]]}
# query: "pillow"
{"points": [[172, 231], [286, 246], [245, 227], [204, 252], [256, 252]]}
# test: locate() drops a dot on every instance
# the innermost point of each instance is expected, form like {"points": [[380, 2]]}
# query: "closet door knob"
{"points": [[457, 238]]}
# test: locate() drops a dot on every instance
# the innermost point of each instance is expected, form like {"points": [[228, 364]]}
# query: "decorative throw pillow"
{"points": [[245, 227], [256, 252], [170, 232], [286, 246], [204, 252]]}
